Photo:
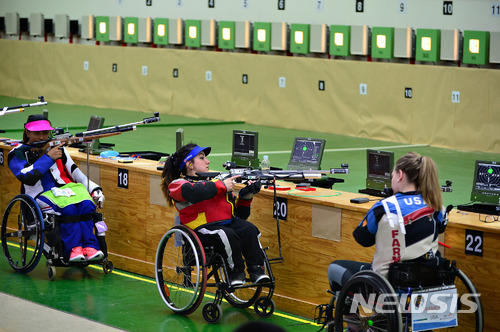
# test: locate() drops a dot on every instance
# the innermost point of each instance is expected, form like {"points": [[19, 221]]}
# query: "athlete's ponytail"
{"points": [[172, 171], [422, 172]]}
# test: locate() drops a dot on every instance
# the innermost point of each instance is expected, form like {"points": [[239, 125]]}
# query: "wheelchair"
{"points": [[27, 233], [357, 307], [184, 268]]}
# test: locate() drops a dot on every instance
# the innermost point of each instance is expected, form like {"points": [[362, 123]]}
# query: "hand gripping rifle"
{"points": [[20, 108], [39, 148], [270, 177]]}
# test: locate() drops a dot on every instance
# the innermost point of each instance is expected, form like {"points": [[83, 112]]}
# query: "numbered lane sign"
{"points": [[408, 93], [473, 242], [281, 4], [280, 208], [123, 178], [360, 6], [321, 85]]}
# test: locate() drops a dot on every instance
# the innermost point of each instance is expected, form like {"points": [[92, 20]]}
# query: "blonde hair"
{"points": [[422, 172]]}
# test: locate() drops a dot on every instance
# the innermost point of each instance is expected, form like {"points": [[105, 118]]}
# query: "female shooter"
{"points": [[404, 227], [59, 188], [212, 211]]}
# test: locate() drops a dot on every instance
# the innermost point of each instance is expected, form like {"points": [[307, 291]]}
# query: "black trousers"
{"points": [[232, 241], [339, 272]]}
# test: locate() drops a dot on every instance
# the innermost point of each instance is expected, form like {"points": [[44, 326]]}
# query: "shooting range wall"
{"points": [[211, 85]]}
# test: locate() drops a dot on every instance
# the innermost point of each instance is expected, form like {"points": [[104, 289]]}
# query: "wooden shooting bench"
{"points": [[317, 230]]}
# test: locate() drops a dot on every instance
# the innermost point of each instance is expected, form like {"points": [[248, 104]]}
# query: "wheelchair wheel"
{"points": [[22, 233], [51, 271], [240, 297], [181, 272], [264, 306], [469, 307], [357, 306], [107, 266], [212, 312]]}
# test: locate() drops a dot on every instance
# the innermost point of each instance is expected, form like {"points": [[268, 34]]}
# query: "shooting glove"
{"points": [[250, 190], [98, 198]]}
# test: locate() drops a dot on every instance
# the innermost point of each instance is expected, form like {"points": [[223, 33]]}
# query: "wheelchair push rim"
{"points": [[22, 239], [180, 270]]}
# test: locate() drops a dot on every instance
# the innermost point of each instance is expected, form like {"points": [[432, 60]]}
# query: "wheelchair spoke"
{"points": [[22, 232], [180, 271], [358, 305], [24, 248], [15, 234]]}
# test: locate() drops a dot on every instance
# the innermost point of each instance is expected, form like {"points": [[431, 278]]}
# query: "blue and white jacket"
{"points": [[45, 173], [403, 227]]}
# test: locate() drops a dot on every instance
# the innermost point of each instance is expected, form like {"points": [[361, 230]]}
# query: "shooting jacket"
{"points": [[403, 228], [202, 202], [44, 173]]}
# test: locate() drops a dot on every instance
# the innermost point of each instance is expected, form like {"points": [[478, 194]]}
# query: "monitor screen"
{"points": [[245, 148], [486, 184], [306, 153], [379, 165]]}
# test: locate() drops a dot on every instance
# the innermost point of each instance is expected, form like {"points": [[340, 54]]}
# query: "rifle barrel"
{"points": [[15, 109], [278, 174], [124, 127]]}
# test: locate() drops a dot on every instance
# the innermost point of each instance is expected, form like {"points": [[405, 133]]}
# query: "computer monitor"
{"points": [[306, 153], [245, 148], [379, 165], [486, 184]]}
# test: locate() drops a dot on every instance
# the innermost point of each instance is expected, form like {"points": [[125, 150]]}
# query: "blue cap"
{"points": [[194, 152]]}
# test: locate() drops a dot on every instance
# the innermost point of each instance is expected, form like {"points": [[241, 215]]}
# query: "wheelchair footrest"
{"points": [[321, 314]]}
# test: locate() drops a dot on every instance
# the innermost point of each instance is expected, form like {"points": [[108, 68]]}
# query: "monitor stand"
{"points": [[102, 147]]}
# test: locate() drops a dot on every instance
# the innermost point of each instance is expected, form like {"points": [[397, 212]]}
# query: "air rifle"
{"points": [[39, 148], [20, 108], [268, 176]]}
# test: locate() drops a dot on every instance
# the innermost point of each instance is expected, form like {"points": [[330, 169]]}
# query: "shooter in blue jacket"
{"points": [[59, 188]]}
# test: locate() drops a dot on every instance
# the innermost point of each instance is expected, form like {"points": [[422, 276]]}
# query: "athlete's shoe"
{"points": [[92, 254], [76, 255], [237, 278], [258, 275]]}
